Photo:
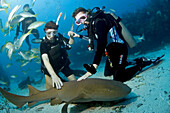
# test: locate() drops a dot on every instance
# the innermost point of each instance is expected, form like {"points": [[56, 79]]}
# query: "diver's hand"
{"points": [[91, 69], [73, 34], [57, 82], [85, 76]]}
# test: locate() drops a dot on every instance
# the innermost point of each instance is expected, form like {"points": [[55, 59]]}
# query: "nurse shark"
{"points": [[91, 89]]}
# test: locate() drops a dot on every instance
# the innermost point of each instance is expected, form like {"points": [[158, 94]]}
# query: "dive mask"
{"points": [[51, 32], [81, 19]]}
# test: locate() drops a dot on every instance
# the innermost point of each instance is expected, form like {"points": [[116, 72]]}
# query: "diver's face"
{"points": [[81, 18], [50, 34], [26, 8]]}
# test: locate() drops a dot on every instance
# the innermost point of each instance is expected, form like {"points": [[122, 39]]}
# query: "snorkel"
{"points": [[58, 18]]}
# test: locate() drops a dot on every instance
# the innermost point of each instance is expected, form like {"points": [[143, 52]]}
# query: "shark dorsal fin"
{"points": [[48, 82], [32, 90]]}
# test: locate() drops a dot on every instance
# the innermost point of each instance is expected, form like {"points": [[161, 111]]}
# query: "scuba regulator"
{"points": [[91, 15]]}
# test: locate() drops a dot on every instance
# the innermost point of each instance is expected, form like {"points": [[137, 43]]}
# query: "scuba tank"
{"points": [[125, 32]]}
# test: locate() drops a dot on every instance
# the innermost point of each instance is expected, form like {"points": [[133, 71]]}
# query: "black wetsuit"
{"points": [[25, 23], [57, 54], [117, 48]]}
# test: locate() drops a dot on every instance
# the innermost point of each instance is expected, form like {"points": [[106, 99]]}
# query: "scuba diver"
{"points": [[112, 39], [54, 57], [25, 23]]}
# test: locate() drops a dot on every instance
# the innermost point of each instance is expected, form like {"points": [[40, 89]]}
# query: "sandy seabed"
{"points": [[150, 93]]}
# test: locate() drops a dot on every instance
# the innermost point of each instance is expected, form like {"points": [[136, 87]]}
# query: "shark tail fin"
{"points": [[17, 100]]}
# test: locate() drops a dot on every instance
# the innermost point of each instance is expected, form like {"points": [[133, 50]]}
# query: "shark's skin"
{"points": [[92, 89]]}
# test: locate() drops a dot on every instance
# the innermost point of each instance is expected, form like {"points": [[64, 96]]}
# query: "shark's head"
{"points": [[107, 90]]}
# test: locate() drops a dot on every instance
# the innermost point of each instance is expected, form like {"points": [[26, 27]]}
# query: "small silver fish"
{"points": [[8, 65], [5, 4], [14, 76], [72, 27], [36, 24], [113, 10], [22, 38], [15, 20], [27, 57], [3, 9], [33, 2], [10, 48], [24, 64], [27, 14], [3, 83], [65, 16], [139, 38]]}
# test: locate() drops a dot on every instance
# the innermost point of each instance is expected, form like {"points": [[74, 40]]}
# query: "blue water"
{"points": [[49, 10]]}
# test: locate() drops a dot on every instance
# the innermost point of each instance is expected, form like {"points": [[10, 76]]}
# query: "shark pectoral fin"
{"points": [[64, 108], [32, 90], [31, 104], [48, 82], [55, 101]]}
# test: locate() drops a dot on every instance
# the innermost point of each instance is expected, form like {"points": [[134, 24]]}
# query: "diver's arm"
{"points": [[101, 44], [72, 35], [101, 36], [56, 80]]}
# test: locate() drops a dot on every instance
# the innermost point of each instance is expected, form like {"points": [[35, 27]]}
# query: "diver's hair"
{"points": [[50, 25], [76, 11], [26, 5]]}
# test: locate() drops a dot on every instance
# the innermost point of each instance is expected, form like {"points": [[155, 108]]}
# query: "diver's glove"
{"points": [[90, 68]]}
